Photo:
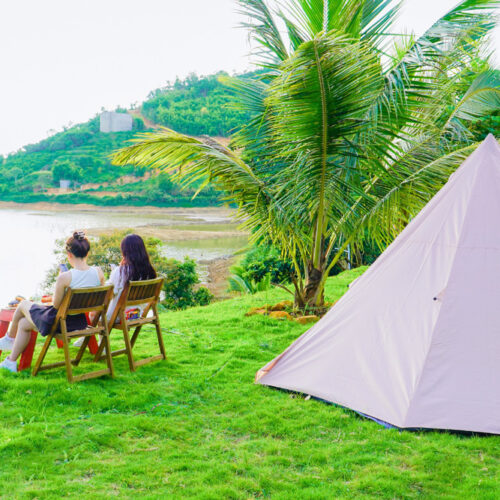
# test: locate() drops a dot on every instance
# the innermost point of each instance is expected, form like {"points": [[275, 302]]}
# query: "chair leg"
{"points": [[160, 338], [105, 341], [100, 347], [67, 357], [42, 355], [158, 332], [135, 335], [109, 357], [128, 345]]}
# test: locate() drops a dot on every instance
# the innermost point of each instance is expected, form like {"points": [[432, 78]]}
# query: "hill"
{"points": [[80, 154]]}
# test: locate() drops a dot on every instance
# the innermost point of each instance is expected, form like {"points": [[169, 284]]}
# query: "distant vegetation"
{"points": [[196, 106], [80, 153]]}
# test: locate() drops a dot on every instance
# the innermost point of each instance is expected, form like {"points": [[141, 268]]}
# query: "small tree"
{"points": [[179, 287], [14, 174]]}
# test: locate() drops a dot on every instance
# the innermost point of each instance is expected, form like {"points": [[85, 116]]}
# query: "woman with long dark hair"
{"points": [[135, 266]]}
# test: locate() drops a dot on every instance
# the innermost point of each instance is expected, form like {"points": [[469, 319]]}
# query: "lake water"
{"points": [[28, 237]]}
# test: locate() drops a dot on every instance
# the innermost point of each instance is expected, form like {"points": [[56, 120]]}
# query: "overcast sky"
{"points": [[61, 61]]}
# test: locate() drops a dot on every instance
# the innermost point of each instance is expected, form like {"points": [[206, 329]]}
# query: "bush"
{"points": [[203, 296], [138, 123], [238, 282], [179, 286], [261, 261]]}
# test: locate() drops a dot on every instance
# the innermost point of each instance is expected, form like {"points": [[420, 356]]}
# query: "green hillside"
{"points": [[195, 106]]}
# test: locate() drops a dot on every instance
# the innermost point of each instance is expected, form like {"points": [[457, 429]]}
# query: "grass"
{"points": [[197, 426]]}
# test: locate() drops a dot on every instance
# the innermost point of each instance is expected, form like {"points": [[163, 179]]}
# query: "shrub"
{"points": [[203, 296], [240, 283], [138, 123], [180, 280], [261, 261]]}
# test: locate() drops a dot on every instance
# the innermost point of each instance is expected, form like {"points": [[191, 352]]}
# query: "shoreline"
{"points": [[169, 233], [86, 207]]}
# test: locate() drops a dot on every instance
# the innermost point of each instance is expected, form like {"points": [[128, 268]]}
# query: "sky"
{"points": [[62, 61]]}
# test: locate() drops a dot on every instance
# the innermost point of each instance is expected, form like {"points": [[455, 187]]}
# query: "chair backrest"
{"points": [[145, 293], [83, 300], [142, 292]]}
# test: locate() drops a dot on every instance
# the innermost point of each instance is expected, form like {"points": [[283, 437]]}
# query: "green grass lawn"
{"points": [[197, 426]]}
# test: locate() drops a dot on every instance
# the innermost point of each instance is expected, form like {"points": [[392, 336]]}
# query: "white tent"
{"points": [[415, 341]]}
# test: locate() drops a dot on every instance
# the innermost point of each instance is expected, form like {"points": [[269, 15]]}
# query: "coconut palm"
{"points": [[354, 129]]}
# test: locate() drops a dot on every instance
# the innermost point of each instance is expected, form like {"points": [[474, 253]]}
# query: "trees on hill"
{"points": [[354, 129], [196, 106]]}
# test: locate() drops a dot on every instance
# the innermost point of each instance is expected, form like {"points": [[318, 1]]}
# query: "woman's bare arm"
{"points": [[101, 275], [63, 281]]}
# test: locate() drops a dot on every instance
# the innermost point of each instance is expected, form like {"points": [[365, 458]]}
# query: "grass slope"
{"points": [[197, 426]]}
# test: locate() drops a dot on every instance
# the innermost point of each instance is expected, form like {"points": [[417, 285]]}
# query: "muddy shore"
{"points": [[167, 233], [84, 207], [218, 274]]}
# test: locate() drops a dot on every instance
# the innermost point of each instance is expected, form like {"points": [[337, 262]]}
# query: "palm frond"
{"points": [[261, 23], [481, 99]]}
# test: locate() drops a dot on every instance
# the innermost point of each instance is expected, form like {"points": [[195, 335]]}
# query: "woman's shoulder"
{"points": [[65, 278], [116, 275]]}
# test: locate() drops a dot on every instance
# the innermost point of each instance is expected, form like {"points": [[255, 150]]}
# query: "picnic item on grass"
{"points": [[133, 313], [14, 303], [46, 299]]}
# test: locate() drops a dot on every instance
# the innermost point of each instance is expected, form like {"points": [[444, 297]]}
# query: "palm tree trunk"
{"points": [[314, 288]]}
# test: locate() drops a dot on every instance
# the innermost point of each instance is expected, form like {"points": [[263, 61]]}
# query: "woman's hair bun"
{"points": [[79, 235], [78, 244]]}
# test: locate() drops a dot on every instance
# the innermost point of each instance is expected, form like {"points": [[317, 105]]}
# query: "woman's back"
{"points": [[84, 279], [135, 266]]}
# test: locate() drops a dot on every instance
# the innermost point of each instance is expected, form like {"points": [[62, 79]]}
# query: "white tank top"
{"points": [[84, 279]]}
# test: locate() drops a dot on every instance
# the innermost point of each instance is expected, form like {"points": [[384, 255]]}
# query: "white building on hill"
{"points": [[115, 122]]}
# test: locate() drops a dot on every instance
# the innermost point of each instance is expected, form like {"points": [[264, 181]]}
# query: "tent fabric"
{"points": [[415, 341]]}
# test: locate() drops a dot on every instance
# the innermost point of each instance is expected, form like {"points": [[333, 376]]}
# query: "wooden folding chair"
{"points": [[80, 301], [147, 294]]}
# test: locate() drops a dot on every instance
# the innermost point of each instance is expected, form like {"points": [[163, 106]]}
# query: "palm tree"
{"points": [[354, 130]]}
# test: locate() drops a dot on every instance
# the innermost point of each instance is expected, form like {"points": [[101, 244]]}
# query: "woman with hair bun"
{"points": [[30, 316]]}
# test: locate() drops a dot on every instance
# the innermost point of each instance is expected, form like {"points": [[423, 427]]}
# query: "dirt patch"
{"points": [[218, 274], [147, 123], [102, 194]]}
